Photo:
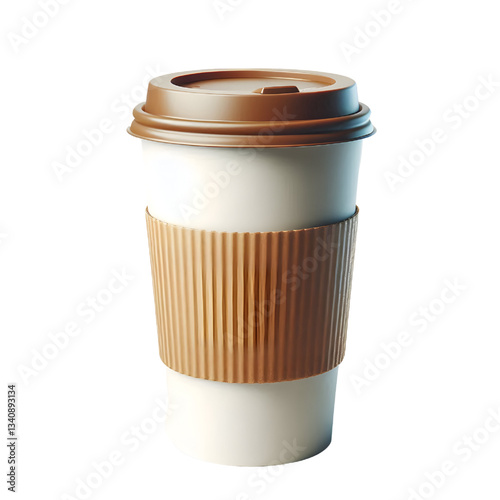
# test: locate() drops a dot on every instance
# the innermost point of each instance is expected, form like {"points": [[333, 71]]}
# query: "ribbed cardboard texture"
{"points": [[252, 307]]}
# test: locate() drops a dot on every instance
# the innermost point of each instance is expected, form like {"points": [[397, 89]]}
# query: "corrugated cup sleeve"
{"points": [[252, 307]]}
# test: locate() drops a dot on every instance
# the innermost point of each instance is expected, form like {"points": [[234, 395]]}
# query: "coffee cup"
{"points": [[251, 213]]}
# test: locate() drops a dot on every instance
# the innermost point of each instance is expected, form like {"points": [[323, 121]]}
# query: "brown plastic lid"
{"points": [[252, 108]]}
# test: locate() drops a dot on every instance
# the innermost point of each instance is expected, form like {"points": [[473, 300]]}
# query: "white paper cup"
{"points": [[251, 188]]}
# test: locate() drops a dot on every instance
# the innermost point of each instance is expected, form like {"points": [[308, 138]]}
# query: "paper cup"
{"points": [[252, 178]]}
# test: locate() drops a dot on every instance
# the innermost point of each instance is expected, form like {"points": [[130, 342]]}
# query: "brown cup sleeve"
{"points": [[252, 307]]}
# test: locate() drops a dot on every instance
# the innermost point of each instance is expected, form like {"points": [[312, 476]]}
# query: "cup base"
{"points": [[251, 424]]}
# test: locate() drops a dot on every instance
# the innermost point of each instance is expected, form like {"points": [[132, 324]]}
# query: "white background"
{"points": [[61, 240]]}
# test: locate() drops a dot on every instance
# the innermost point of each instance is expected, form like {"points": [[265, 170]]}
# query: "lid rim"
{"points": [[213, 140]]}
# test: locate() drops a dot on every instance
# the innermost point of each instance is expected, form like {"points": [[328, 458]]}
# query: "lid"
{"points": [[252, 108]]}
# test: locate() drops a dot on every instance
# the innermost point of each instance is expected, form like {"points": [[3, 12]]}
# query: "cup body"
{"points": [[251, 424], [251, 190]]}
